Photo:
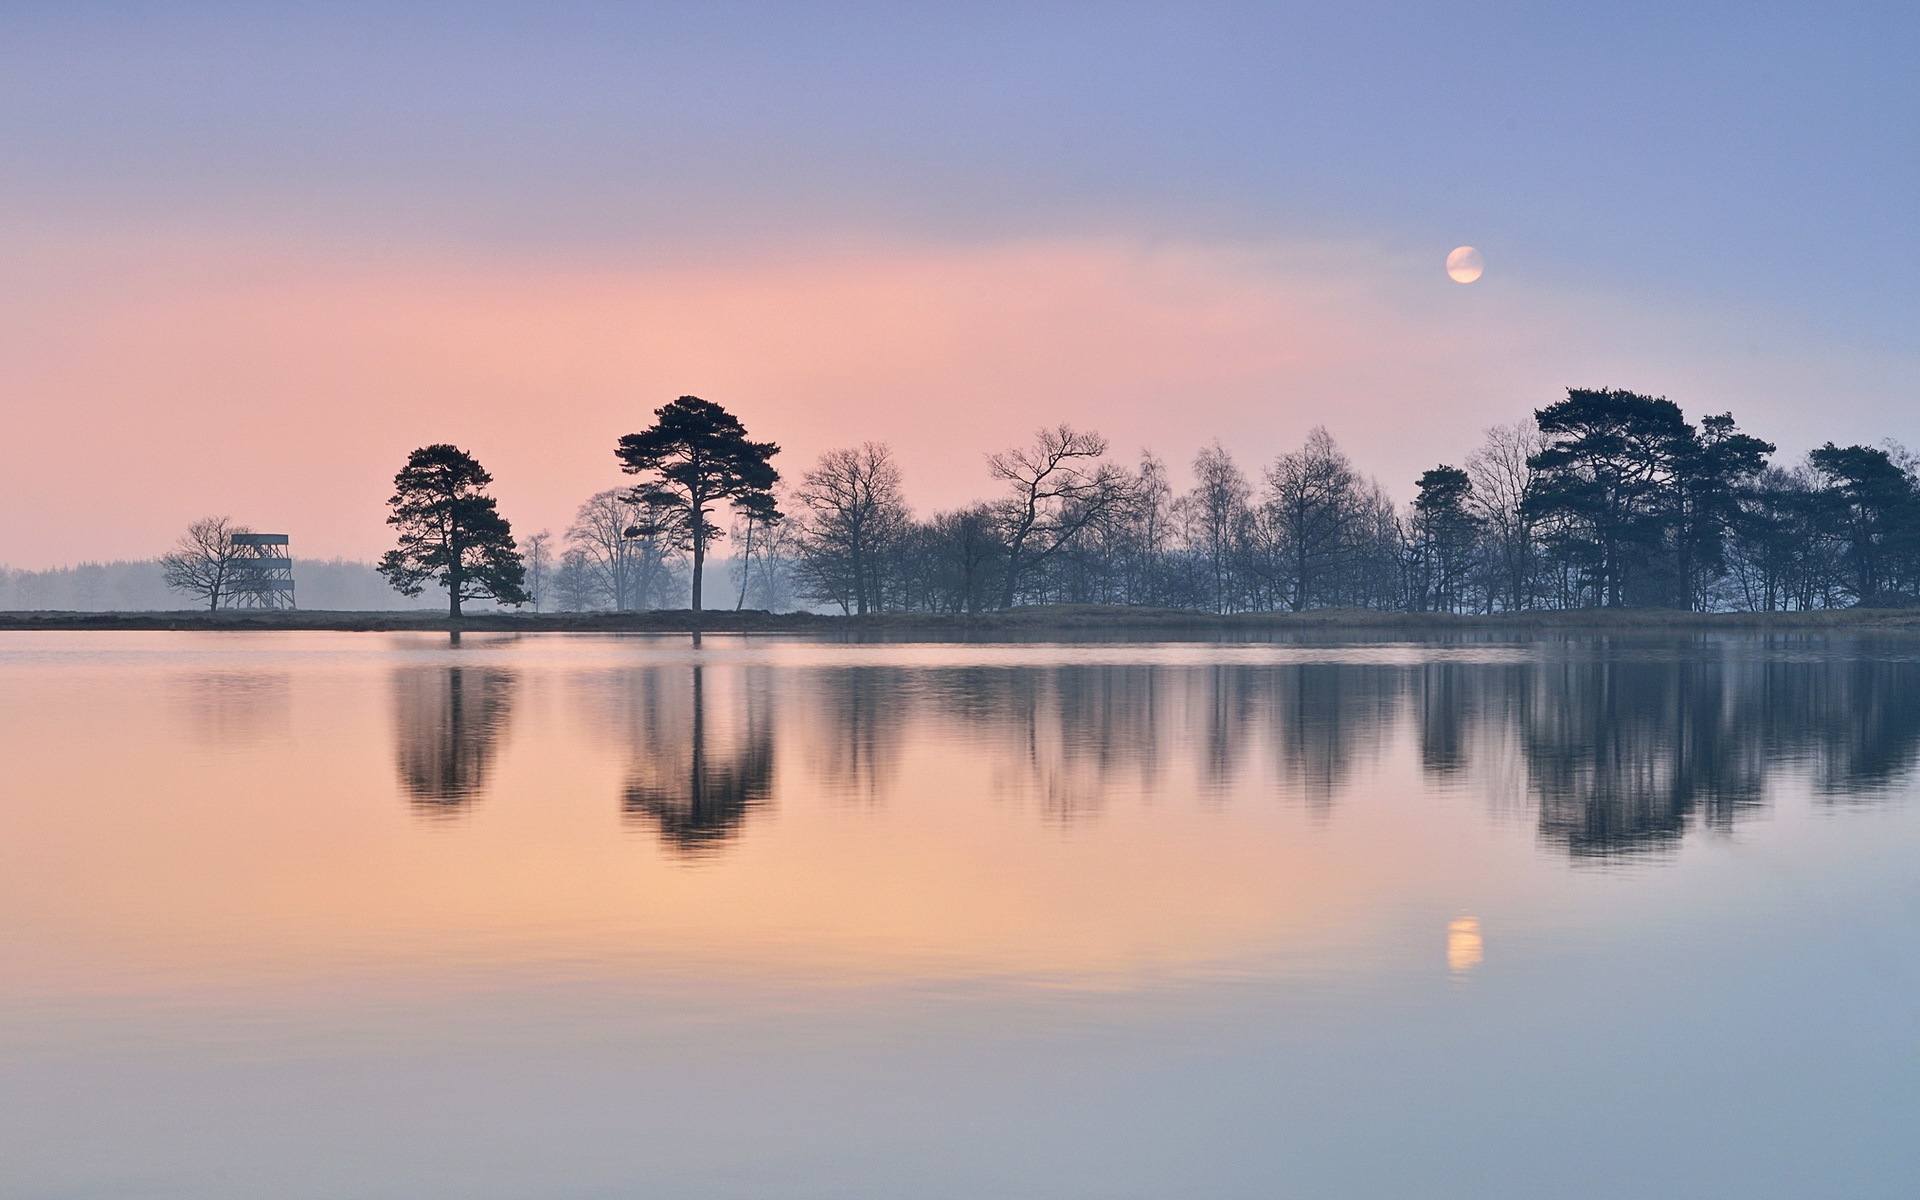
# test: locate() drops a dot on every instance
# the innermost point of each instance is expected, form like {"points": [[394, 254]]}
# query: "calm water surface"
{"points": [[359, 915]]}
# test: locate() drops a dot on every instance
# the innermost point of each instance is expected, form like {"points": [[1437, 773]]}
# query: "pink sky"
{"points": [[153, 381]]}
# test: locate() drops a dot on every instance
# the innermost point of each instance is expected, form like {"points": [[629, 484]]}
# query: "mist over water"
{"points": [[374, 915]]}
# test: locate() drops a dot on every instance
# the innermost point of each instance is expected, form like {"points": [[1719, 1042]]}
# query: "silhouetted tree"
{"points": [[854, 514], [451, 532], [695, 455], [575, 586], [1149, 535], [1445, 531], [1604, 485], [1502, 479], [1217, 515], [201, 562], [1782, 555], [1116, 557], [629, 544], [1716, 471], [1058, 487], [1375, 571], [1873, 507], [956, 560], [1310, 513], [761, 532]]}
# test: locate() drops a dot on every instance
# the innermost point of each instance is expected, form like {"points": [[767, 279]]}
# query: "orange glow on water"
{"points": [[243, 827], [1464, 948]]}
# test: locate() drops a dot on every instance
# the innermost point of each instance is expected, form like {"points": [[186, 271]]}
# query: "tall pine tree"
{"points": [[694, 456]]}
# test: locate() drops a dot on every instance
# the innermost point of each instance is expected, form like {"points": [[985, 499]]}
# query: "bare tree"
{"points": [[1118, 556], [627, 541], [1216, 514], [761, 532], [1373, 573], [854, 513], [201, 562], [536, 552], [656, 539], [575, 588], [599, 532], [1501, 477], [1058, 488], [1145, 535], [1313, 506], [961, 557]]}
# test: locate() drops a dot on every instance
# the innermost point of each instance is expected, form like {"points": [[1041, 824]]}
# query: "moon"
{"points": [[1465, 264]]}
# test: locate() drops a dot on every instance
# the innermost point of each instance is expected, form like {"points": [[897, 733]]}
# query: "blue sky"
{"points": [[1742, 150]]}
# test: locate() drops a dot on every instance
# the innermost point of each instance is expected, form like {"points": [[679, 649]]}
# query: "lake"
{"points": [[373, 915]]}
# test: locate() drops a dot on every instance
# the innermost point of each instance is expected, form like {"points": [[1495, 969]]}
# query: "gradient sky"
{"points": [[251, 255]]}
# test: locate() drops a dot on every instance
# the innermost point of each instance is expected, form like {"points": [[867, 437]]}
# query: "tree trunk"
{"points": [[746, 568], [456, 573], [699, 563]]}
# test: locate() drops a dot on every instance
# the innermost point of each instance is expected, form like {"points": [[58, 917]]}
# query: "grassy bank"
{"points": [[1076, 620]]}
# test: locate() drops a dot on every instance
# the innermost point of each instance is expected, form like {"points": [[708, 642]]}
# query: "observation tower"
{"points": [[262, 573]]}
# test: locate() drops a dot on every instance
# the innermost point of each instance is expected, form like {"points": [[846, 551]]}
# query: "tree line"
{"points": [[1605, 499]]}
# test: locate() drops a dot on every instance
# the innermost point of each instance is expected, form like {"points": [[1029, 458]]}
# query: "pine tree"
{"points": [[451, 532], [695, 455]]}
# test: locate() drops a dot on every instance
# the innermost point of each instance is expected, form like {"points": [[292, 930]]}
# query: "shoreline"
{"points": [[1078, 620]]}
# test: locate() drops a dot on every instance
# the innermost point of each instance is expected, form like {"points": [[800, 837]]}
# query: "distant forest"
{"points": [[139, 586], [1605, 499]]}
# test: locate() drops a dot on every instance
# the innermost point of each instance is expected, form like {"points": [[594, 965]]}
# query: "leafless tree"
{"points": [[201, 562], [1058, 488], [575, 586], [1373, 573], [1501, 477], [766, 543], [1147, 532], [627, 542], [536, 551], [1313, 506], [656, 537], [959, 557], [1216, 514], [853, 513], [599, 532], [1118, 556]]}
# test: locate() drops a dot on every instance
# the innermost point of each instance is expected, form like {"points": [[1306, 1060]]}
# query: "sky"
{"points": [[251, 255]]}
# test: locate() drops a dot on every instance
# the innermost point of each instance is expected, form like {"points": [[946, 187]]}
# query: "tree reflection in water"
{"points": [[1064, 738], [448, 723], [234, 709], [1623, 752], [854, 734], [697, 784], [1610, 750]]}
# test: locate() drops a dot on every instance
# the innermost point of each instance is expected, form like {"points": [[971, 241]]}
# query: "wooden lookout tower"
{"points": [[262, 573]]}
